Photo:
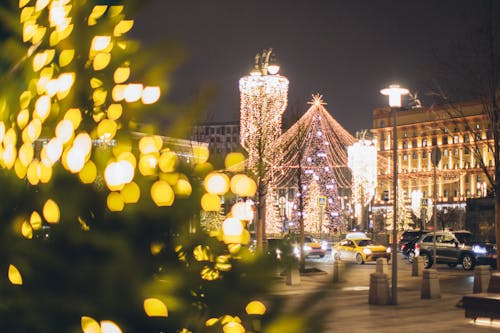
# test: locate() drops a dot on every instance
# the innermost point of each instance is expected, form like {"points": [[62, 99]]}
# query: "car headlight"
{"points": [[324, 245], [479, 249], [307, 248], [367, 251], [388, 250]]}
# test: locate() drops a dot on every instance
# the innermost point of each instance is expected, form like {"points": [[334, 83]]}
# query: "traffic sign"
{"points": [[321, 201], [435, 156], [385, 196]]}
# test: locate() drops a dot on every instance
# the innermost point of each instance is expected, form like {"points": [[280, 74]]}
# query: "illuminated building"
{"points": [[462, 141]]}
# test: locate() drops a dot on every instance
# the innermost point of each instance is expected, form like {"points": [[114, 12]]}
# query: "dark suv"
{"points": [[456, 247]]}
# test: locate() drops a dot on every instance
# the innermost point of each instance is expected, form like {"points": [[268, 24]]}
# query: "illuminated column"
{"points": [[263, 100]]}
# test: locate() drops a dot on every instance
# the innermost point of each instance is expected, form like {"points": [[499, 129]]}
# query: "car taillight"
{"points": [[417, 247], [403, 247]]}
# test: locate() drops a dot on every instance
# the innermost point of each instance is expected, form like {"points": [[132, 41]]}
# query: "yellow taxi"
{"points": [[360, 250]]}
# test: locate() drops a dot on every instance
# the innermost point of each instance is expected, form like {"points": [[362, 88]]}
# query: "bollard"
{"points": [[382, 266], [292, 276], [430, 284], [379, 289], [417, 266], [338, 271], [482, 276], [494, 285]]}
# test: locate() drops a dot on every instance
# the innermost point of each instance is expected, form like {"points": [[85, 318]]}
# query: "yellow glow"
{"points": [[117, 174], [242, 211], [66, 57], [96, 13], [32, 131], [20, 169], [51, 211], [41, 4], [233, 327], [115, 202], [24, 99], [64, 130], [118, 93], [38, 35], [101, 61], [9, 156], [26, 14], [10, 137], [39, 60], [171, 177], [36, 221], [114, 111], [216, 183], [155, 308], [210, 202], [147, 164], [243, 186], [45, 173], [95, 83], [394, 92], [26, 230], [128, 156], [150, 95], [75, 116], [42, 107], [235, 162], [133, 92], [2, 130], [89, 173], [29, 29], [83, 142], [14, 275], [232, 227], [26, 153], [123, 27], [201, 154], [22, 118], [23, 3], [75, 160], [33, 173], [148, 145], [168, 161], [100, 43], [121, 74], [65, 82], [57, 14], [255, 308], [131, 193], [107, 129], [162, 194], [108, 326], [54, 150], [89, 325], [183, 188]]}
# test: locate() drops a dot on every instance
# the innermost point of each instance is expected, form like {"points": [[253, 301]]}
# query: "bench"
{"points": [[485, 305]]}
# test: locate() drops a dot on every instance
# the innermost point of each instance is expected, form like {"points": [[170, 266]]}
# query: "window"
{"points": [[218, 130], [478, 126], [467, 178], [434, 141], [445, 139], [466, 138], [466, 151], [228, 139], [455, 139], [445, 152], [455, 193], [424, 142], [405, 134], [445, 193], [414, 155], [478, 137], [382, 123], [414, 144], [455, 152], [405, 144], [424, 154], [405, 157]]}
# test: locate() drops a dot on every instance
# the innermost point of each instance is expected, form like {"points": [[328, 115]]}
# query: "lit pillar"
{"points": [[263, 100], [394, 92]]}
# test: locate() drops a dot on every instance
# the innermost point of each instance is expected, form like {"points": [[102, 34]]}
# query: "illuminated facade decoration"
{"points": [[362, 160], [313, 150], [462, 141]]}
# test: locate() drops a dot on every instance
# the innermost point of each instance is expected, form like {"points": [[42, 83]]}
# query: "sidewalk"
{"points": [[346, 309]]}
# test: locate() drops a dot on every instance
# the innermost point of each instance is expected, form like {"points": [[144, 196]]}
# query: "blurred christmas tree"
{"points": [[100, 215]]}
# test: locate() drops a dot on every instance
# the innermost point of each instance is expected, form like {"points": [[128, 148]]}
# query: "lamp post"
{"points": [[394, 92], [263, 100]]}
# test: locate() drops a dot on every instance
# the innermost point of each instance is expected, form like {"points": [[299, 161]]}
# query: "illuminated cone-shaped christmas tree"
{"points": [[316, 147]]}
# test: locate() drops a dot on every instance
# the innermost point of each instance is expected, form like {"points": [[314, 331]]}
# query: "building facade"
{"points": [[222, 138], [463, 138]]}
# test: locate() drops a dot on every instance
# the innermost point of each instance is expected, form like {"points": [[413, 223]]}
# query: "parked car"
{"points": [[360, 250], [312, 246], [410, 235], [454, 248]]}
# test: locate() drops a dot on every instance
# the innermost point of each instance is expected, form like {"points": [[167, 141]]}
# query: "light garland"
{"points": [[363, 164], [263, 102], [315, 146]]}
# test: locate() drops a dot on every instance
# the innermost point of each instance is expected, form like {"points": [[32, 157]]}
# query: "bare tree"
{"points": [[474, 75]]}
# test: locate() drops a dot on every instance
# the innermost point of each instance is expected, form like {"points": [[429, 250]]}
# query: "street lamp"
{"points": [[263, 100], [394, 92]]}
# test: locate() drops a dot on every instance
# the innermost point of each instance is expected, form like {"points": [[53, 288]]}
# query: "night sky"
{"points": [[346, 50]]}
